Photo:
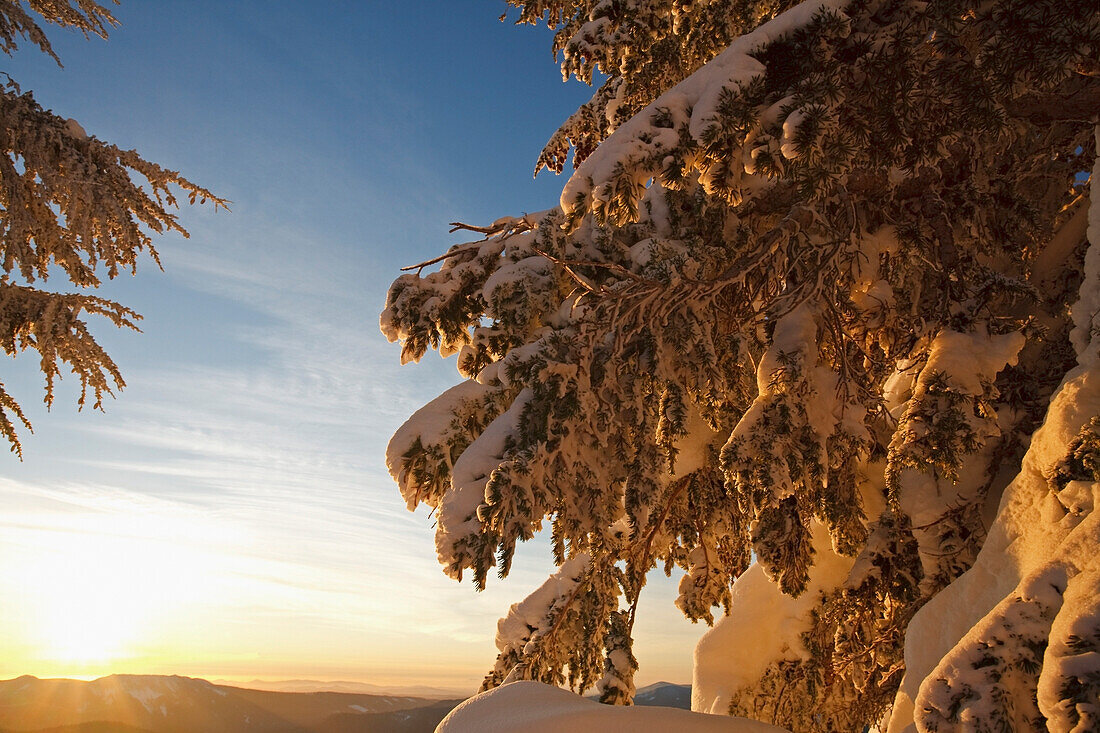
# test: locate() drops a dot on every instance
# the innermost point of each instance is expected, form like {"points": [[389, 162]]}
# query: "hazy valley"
{"points": [[160, 704]]}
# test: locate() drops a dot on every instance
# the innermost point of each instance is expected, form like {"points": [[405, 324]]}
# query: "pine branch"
{"points": [[642, 568], [88, 17], [1078, 102]]}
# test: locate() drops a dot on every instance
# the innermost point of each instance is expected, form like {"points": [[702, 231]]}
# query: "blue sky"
{"points": [[230, 514]]}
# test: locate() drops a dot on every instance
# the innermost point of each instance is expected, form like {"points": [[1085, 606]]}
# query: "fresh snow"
{"points": [[431, 425], [969, 359], [75, 129], [529, 617], [1036, 577], [458, 512], [1033, 541], [694, 100], [764, 625]]}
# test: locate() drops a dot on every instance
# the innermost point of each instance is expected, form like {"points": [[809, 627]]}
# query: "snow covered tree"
{"points": [[69, 206], [805, 297]]}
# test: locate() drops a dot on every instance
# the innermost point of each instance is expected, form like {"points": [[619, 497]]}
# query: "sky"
{"points": [[230, 514]]}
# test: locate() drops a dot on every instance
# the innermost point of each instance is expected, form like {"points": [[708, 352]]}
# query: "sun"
{"points": [[86, 620], [94, 598], [87, 599], [86, 641]]}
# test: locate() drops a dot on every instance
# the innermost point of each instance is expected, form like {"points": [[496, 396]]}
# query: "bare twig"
{"points": [[503, 227], [452, 252]]}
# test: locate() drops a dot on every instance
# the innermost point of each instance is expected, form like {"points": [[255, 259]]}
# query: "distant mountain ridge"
{"points": [[172, 704], [366, 688], [659, 694], [664, 694]]}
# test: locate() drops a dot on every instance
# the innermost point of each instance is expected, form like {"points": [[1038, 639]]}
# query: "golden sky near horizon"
{"points": [[105, 583]]}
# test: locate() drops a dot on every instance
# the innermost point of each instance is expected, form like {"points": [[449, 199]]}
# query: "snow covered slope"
{"points": [[533, 707]]}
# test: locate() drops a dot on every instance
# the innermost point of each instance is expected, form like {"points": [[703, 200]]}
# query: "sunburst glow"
{"points": [[92, 601], [98, 589]]}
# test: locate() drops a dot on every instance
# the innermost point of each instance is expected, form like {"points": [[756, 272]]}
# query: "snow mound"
{"points": [[534, 707]]}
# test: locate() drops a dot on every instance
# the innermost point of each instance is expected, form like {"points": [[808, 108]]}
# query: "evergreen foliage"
{"points": [[813, 269], [70, 208]]}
